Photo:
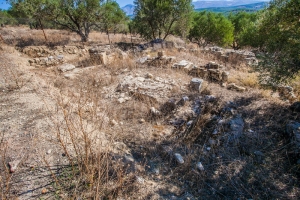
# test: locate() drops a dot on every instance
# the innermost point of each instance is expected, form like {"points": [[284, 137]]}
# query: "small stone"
{"points": [[179, 158], [212, 142], [235, 87], [140, 180], [13, 165], [208, 148], [154, 111], [215, 132], [49, 151], [129, 158], [44, 191], [148, 75], [189, 123], [66, 67], [121, 100], [113, 122], [142, 121], [200, 166]]}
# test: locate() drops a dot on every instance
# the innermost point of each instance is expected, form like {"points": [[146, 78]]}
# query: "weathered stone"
{"points": [[236, 125], [113, 122], [154, 111], [200, 166], [186, 65], [196, 84], [66, 67], [225, 76], [121, 100], [142, 121], [13, 165], [148, 75], [235, 87], [179, 158], [213, 65]]}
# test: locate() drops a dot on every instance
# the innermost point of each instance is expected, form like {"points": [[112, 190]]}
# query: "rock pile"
{"points": [[47, 61], [229, 55], [211, 71], [161, 59]]}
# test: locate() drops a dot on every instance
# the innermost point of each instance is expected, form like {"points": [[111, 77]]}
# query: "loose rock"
{"points": [[66, 67], [196, 84], [179, 158]]}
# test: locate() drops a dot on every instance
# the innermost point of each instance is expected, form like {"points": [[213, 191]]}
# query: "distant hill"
{"points": [[224, 3], [128, 9], [218, 6], [248, 8]]}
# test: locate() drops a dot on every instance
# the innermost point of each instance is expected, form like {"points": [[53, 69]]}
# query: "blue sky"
{"points": [[122, 3], [4, 4]]}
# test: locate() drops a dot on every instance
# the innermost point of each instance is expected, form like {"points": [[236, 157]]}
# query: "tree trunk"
{"points": [[84, 38]]}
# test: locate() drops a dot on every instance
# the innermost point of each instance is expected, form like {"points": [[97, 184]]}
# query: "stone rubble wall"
{"points": [[230, 56], [44, 51], [211, 71], [47, 61]]}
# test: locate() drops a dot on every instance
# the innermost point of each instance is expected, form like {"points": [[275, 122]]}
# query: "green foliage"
{"points": [[211, 28], [156, 18], [280, 30], [112, 15], [244, 28], [6, 18], [79, 16]]}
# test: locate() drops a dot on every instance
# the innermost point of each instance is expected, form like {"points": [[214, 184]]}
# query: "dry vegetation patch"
{"points": [[138, 131]]}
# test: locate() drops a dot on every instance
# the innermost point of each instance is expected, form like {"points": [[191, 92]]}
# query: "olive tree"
{"points": [[280, 28], [156, 18], [211, 28]]}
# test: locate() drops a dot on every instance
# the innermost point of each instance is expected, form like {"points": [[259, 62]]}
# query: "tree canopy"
{"points": [[211, 28], [79, 16], [280, 29], [156, 18]]}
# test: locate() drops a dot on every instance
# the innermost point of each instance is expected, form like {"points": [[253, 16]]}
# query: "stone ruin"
{"points": [[44, 51], [211, 71], [44, 56], [103, 55], [47, 61], [147, 87], [160, 60], [228, 55]]}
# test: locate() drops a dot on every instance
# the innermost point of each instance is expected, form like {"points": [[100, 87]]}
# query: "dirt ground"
{"points": [[40, 106]]}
